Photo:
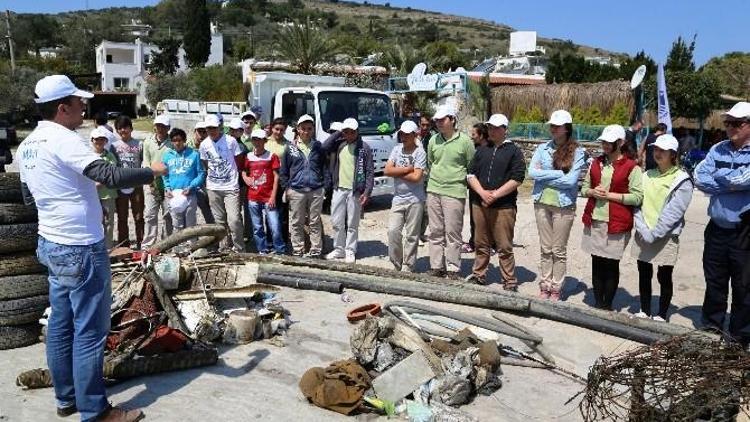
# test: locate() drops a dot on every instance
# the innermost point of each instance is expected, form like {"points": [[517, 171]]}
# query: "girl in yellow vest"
{"points": [[667, 191]]}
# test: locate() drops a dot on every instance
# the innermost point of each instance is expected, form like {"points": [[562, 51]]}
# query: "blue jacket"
{"points": [[184, 169], [725, 175], [299, 172], [544, 175]]}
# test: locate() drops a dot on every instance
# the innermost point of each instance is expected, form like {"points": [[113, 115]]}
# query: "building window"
{"points": [[109, 58], [146, 58], [121, 84]]}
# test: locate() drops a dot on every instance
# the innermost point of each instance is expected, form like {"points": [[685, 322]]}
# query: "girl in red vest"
{"points": [[613, 186]]}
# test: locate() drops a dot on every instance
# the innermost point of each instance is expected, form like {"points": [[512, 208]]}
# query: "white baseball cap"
{"points": [[305, 118], [54, 87], [211, 121], [740, 110], [498, 120], [350, 124], [667, 142], [100, 132], [559, 118], [161, 120], [236, 124], [335, 126], [408, 127], [443, 111], [259, 133], [200, 125], [248, 114], [612, 133]]}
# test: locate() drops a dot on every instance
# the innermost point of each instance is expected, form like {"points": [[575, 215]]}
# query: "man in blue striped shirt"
{"points": [[725, 176]]}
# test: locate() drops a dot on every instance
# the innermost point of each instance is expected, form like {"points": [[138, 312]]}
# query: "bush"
{"points": [[17, 92], [213, 83]]}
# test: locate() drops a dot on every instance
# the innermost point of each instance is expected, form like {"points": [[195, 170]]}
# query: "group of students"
{"points": [[281, 185]]}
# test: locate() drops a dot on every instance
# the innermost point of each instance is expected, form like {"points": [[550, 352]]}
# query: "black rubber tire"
{"points": [[20, 263], [17, 213], [18, 237], [23, 305], [18, 286], [19, 335], [23, 318], [148, 365], [10, 188]]}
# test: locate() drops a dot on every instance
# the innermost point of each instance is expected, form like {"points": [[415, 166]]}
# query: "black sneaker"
{"points": [[64, 412], [436, 273], [453, 275], [475, 279], [510, 288]]}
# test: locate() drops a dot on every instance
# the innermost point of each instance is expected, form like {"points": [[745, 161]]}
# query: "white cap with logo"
{"points": [[612, 133], [54, 87], [304, 118], [740, 110], [161, 120], [259, 133], [498, 120], [212, 121], [350, 124], [236, 124], [667, 142], [559, 118], [408, 127], [444, 111]]}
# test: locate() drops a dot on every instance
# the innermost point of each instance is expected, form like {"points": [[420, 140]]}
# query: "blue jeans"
{"points": [[257, 211], [80, 296]]}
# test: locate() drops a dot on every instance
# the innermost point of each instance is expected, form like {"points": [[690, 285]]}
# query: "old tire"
{"points": [[20, 263], [18, 237], [24, 305], [17, 214], [19, 336], [27, 317], [147, 365], [19, 286], [10, 188]]}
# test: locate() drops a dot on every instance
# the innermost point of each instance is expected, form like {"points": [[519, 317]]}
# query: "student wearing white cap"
{"points": [[555, 168], [352, 178], [495, 173], [222, 157], [613, 185], [154, 148], [58, 170], [100, 138], [725, 176], [301, 177], [406, 164], [667, 192]]}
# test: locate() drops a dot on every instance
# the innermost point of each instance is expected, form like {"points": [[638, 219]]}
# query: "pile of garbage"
{"points": [[416, 362]]}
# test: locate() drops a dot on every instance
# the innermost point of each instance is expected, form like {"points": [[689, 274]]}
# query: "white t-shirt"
{"points": [[222, 169], [51, 161]]}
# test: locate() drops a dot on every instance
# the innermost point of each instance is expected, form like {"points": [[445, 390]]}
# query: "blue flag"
{"points": [[661, 87]]}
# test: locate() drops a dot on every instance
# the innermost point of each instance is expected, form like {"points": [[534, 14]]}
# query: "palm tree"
{"points": [[305, 46], [401, 59]]}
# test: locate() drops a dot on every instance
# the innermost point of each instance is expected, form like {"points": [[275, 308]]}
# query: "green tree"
{"points": [[17, 91], [680, 58], [304, 46], [400, 58], [628, 67], [165, 62], [35, 31], [732, 71], [444, 55], [197, 30]]}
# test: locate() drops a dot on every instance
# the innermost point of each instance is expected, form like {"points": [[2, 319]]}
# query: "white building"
{"points": [[123, 66]]}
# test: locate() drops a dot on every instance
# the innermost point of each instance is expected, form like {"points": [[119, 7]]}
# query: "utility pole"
{"points": [[10, 42]]}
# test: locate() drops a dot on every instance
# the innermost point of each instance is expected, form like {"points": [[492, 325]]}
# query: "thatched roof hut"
{"points": [[551, 97]]}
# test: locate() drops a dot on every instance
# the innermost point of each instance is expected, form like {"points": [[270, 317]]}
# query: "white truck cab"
{"points": [[328, 104]]}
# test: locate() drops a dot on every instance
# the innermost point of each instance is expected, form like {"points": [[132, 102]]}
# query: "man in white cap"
{"points": [[301, 176], [725, 176], [58, 172], [406, 164], [222, 156], [154, 148], [352, 176], [238, 130], [449, 154], [495, 174]]}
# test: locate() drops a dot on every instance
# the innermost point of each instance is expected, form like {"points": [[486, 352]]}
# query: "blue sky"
{"points": [[651, 25]]}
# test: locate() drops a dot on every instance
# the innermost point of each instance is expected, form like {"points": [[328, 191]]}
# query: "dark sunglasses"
{"points": [[734, 123]]}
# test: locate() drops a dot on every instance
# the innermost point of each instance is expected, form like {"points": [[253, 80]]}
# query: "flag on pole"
{"points": [[661, 87]]}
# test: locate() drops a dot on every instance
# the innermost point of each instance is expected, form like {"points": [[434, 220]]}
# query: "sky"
{"points": [[625, 27]]}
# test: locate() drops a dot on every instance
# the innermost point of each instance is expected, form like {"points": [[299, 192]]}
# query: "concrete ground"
{"points": [[259, 380]]}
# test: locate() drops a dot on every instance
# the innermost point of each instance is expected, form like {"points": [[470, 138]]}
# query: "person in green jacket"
{"points": [[100, 137]]}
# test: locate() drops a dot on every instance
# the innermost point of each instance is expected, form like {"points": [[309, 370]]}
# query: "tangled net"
{"points": [[683, 378]]}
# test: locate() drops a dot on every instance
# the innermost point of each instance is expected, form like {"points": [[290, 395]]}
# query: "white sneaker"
{"points": [[658, 318], [335, 254], [641, 314], [350, 258]]}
